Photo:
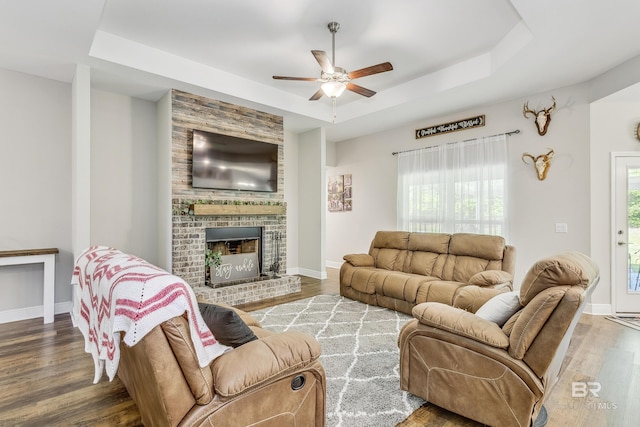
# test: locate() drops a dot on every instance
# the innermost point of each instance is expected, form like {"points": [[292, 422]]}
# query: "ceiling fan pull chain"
{"points": [[333, 101]]}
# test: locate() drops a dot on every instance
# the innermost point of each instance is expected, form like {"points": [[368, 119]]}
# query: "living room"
{"points": [[63, 194]]}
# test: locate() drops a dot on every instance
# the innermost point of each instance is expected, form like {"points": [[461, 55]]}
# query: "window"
{"points": [[455, 188]]}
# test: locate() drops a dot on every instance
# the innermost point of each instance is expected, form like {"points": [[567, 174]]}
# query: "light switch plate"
{"points": [[561, 227]]}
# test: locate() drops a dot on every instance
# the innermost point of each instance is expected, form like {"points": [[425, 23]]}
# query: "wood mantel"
{"points": [[199, 209]]}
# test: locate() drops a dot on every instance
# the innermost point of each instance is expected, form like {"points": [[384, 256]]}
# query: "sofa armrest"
{"points": [[360, 260], [262, 361], [460, 322], [472, 297], [491, 278]]}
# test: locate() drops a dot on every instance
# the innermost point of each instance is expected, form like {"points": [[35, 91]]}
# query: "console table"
{"points": [[35, 256]]}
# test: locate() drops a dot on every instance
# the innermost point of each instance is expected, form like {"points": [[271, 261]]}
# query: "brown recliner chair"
{"points": [[275, 380], [496, 375]]}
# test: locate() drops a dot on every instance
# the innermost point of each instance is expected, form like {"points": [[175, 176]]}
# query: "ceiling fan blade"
{"points": [[374, 69], [323, 60], [305, 79], [360, 90], [316, 95]]}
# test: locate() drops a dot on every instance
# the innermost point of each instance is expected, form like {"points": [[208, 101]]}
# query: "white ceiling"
{"points": [[448, 55]]}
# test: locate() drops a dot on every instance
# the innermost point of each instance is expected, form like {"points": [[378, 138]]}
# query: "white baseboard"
{"points": [[334, 264], [32, 312], [598, 309], [312, 273]]}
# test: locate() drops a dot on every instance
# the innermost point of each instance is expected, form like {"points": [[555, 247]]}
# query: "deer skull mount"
{"points": [[542, 163], [541, 117]]}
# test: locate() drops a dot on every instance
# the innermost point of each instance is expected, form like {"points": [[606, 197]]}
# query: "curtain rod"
{"points": [[456, 142]]}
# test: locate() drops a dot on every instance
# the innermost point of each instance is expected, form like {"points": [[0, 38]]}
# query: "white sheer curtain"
{"points": [[455, 188]]}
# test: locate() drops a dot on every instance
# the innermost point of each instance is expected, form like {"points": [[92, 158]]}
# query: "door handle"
{"points": [[622, 243]]}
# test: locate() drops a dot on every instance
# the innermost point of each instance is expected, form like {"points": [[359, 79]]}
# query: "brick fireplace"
{"points": [[190, 244], [195, 210]]}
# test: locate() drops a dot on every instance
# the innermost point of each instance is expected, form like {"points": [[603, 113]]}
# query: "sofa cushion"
{"points": [[226, 325], [490, 278], [433, 289], [390, 259], [400, 286], [425, 263], [500, 308], [461, 268]]}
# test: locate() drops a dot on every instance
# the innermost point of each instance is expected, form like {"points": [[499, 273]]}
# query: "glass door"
{"points": [[626, 290]]}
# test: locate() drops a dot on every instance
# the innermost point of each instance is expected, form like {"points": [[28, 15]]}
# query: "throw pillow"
{"points": [[500, 308], [226, 325]]}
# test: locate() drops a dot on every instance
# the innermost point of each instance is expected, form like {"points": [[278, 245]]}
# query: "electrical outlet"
{"points": [[561, 227]]}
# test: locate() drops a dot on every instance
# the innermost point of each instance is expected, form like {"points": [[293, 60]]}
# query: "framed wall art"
{"points": [[339, 193]]}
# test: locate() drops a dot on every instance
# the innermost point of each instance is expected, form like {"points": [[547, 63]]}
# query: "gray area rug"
{"points": [[359, 353]]}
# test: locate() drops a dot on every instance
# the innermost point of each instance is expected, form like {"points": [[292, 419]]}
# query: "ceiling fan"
{"points": [[336, 79]]}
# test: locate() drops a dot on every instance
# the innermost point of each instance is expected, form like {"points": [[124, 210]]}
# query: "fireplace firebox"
{"points": [[239, 254]]}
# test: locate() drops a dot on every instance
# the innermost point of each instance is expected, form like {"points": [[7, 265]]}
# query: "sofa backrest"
{"points": [[155, 380], [454, 257], [553, 293], [389, 249], [427, 253], [472, 253]]}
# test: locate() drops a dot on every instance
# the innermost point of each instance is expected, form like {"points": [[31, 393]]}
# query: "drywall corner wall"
{"points": [[312, 203], [291, 190], [164, 176], [123, 174]]}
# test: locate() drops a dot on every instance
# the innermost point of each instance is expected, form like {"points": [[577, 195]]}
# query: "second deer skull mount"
{"points": [[542, 163], [541, 117]]}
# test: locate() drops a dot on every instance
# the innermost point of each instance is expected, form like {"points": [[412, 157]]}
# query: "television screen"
{"points": [[231, 163]]}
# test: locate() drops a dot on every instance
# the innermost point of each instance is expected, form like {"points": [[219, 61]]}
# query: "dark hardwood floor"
{"points": [[46, 377]]}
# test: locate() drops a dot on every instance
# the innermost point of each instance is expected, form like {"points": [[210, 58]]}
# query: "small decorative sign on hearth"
{"points": [[450, 127], [235, 267]]}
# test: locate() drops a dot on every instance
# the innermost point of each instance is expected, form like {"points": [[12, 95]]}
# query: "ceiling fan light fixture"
{"points": [[333, 89]]}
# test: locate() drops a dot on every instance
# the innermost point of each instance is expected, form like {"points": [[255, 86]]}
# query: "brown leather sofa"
{"points": [[275, 380], [403, 269], [496, 375]]}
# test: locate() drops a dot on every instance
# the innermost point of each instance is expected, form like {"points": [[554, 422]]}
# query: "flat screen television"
{"points": [[231, 163]]}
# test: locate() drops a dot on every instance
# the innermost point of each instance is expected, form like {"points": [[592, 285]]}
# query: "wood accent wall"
{"points": [[197, 112]]}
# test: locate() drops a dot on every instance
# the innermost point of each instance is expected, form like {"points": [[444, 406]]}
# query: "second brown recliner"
{"points": [[498, 375]]}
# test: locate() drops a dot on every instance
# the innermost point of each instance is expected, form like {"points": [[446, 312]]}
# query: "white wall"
{"points": [[612, 129], [535, 206], [35, 184], [123, 174]]}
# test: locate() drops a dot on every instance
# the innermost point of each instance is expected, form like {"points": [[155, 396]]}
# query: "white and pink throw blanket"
{"points": [[117, 293]]}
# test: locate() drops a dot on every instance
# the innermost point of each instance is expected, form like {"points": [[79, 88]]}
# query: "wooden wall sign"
{"points": [[450, 127], [235, 267]]}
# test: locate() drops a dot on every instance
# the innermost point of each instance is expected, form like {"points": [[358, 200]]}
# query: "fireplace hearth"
{"points": [[267, 238]]}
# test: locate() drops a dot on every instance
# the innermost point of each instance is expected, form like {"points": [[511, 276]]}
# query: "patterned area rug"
{"points": [[359, 353], [630, 321]]}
